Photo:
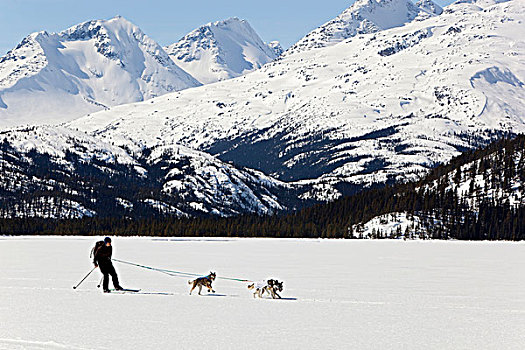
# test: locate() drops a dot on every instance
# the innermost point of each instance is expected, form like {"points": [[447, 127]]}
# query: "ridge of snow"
{"points": [[222, 50]]}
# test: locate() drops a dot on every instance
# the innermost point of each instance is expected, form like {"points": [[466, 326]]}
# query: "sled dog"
{"points": [[270, 286], [205, 281]]}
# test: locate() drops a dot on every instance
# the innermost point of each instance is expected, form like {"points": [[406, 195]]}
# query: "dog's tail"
{"points": [[190, 282], [251, 286]]}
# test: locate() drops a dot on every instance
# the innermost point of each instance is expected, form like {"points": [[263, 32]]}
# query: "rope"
{"points": [[168, 272], [234, 279], [177, 273]]}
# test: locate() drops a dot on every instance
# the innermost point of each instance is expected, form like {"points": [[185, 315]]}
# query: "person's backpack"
{"points": [[96, 248]]}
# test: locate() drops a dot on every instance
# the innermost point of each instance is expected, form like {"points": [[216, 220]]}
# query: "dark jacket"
{"points": [[103, 255]]}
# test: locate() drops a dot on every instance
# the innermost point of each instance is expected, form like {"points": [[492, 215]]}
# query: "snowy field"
{"points": [[339, 295]]}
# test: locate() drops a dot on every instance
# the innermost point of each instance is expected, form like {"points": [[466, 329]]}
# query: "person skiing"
{"points": [[102, 258]]}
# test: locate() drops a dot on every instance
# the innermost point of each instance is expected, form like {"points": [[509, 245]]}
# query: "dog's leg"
{"points": [[192, 288], [200, 288]]}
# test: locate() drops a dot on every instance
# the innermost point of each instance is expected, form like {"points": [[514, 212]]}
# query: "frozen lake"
{"points": [[341, 295]]}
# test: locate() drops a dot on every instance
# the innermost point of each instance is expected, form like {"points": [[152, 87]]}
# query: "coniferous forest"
{"points": [[476, 196]]}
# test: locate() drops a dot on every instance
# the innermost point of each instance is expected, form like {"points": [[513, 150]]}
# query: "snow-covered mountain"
{"points": [[56, 172], [222, 50], [56, 77], [364, 17], [378, 107]]}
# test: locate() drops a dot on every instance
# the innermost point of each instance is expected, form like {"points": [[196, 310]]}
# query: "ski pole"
{"points": [[99, 283], [89, 273]]}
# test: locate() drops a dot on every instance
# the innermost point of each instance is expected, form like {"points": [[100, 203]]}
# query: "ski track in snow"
{"points": [[28, 344], [337, 295]]}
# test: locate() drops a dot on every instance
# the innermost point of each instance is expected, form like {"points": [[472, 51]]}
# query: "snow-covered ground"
{"points": [[340, 295]]}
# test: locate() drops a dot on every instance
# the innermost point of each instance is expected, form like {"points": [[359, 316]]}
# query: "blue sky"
{"points": [[167, 21]]}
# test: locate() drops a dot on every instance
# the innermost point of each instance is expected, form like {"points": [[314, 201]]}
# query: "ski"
{"points": [[124, 290]]}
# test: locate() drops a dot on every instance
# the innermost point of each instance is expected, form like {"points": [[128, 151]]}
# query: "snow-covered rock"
{"points": [[364, 16], [276, 47], [430, 6], [222, 50], [379, 107], [56, 77]]}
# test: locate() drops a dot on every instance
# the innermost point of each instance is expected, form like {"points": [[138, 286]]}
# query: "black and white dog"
{"points": [[270, 286]]}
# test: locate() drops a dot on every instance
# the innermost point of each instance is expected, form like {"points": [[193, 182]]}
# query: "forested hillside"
{"points": [[478, 195]]}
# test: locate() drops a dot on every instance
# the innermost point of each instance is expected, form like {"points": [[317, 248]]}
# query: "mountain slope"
{"points": [[353, 113], [364, 17], [492, 209], [55, 172], [56, 77], [222, 50], [479, 195]]}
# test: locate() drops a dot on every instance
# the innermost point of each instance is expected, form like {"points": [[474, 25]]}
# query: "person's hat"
{"points": [[107, 240]]}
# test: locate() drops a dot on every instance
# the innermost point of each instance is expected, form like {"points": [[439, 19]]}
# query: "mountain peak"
{"points": [[221, 50], [90, 66], [110, 30], [230, 20], [430, 6], [364, 16], [276, 47]]}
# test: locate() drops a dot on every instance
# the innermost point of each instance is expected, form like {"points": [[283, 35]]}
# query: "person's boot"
{"points": [[119, 288], [107, 291]]}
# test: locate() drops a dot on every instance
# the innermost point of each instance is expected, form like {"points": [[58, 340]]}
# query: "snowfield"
{"points": [[339, 295]]}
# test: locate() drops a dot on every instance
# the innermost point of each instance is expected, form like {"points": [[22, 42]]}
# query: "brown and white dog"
{"points": [[205, 281], [270, 286]]}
